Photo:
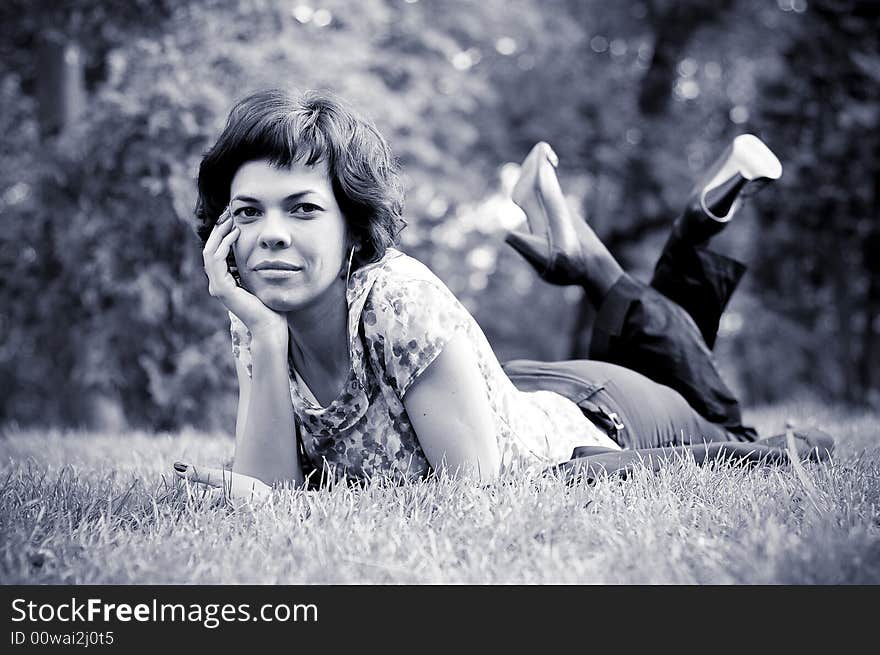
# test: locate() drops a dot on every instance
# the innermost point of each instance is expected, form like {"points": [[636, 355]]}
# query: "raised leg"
{"points": [[636, 327], [695, 278], [562, 250], [698, 280]]}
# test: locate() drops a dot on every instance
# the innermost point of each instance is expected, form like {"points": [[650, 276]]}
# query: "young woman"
{"points": [[355, 360]]}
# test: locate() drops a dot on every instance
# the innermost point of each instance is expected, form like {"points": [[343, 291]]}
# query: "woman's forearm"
{"points": [[266, 446]]}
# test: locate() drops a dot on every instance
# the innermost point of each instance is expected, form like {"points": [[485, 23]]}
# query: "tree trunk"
{"points": [[61, 91]]}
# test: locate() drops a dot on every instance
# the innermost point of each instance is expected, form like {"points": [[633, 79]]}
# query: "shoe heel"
{"points": [[533, 249], [721, 202]]}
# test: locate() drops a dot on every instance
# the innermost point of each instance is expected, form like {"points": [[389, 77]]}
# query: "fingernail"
{"points": [[180, 466], [552, 157]]}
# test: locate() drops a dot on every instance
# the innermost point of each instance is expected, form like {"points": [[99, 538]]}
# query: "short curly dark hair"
{"points": [[286, 127]]}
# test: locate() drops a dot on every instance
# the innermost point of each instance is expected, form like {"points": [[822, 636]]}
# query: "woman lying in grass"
{"points": [[355, 360]]}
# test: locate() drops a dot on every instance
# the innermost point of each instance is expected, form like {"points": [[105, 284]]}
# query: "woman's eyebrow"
{"points": [[292, 196]]}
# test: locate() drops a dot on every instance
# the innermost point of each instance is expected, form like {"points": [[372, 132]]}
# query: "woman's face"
{"points": [[293, 239]]}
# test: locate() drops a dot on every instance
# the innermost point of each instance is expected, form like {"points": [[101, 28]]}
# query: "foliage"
{"points": [[104, 316], [818, 256]]}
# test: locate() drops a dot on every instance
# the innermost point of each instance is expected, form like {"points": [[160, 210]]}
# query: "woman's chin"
{"points": [[276, 300], [288, 297], [282, 305]]}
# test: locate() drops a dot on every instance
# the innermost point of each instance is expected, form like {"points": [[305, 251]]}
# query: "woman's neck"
{"points": [[319, 336]]}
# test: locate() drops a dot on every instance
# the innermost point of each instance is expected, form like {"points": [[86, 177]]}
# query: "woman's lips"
{"points": [[277, 269], [277, 263], [277, 273]]}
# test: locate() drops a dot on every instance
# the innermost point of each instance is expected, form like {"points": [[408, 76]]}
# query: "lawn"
{"points": [[83, 508]]}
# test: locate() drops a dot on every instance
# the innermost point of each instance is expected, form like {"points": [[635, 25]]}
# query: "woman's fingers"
{"points": [[226, 243], [221, 227], [204, 475], [221, 284], [215, 243], [236, 485]]}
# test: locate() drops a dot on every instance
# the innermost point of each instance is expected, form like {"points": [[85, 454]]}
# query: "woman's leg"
{"points": [[636, 327], [689, 274], [698, 280], [634, 410], [621, 463], [640, 329], [650, 421], [564, 251]]}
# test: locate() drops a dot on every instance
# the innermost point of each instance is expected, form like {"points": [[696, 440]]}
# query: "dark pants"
{"points": [[651, 368]]}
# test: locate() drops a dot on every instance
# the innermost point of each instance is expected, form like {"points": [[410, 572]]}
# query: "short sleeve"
{"points": [[407, 323], [241, 342]]}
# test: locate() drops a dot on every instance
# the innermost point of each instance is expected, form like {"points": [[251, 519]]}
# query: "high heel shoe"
{"points": [[745, 167], [553, 246]]}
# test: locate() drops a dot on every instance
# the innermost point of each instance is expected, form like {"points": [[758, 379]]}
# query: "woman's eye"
{"points": [[305, 208], [246, 212]]}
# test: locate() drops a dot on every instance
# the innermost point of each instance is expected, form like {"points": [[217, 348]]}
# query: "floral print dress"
{"points": [[400, 317]]}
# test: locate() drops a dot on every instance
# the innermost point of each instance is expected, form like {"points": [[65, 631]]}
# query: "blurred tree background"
{"points": [[108, 106]]}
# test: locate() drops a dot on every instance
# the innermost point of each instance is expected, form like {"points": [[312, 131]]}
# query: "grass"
{"points": [[81, 508]]}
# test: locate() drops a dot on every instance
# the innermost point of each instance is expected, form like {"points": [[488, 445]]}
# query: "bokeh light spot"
{"points": [[731, 323], [739, 114], [482, 258], [438, 207], [17, 193], [322, 18], [478, 281], [687, 89], [462, 60], [505, 45], [713, 70], [687, 67], [303, 13]]}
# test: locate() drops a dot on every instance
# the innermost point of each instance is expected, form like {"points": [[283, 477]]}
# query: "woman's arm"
{"points": [[449, 409], [260, 459], [265, 436], [265, 429]]}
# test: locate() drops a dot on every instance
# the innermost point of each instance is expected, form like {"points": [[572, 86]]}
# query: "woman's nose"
{"points": [[275, 232]]}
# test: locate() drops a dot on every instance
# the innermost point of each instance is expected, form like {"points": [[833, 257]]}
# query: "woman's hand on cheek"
{"points": [[254, 314], [238, 487]]}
